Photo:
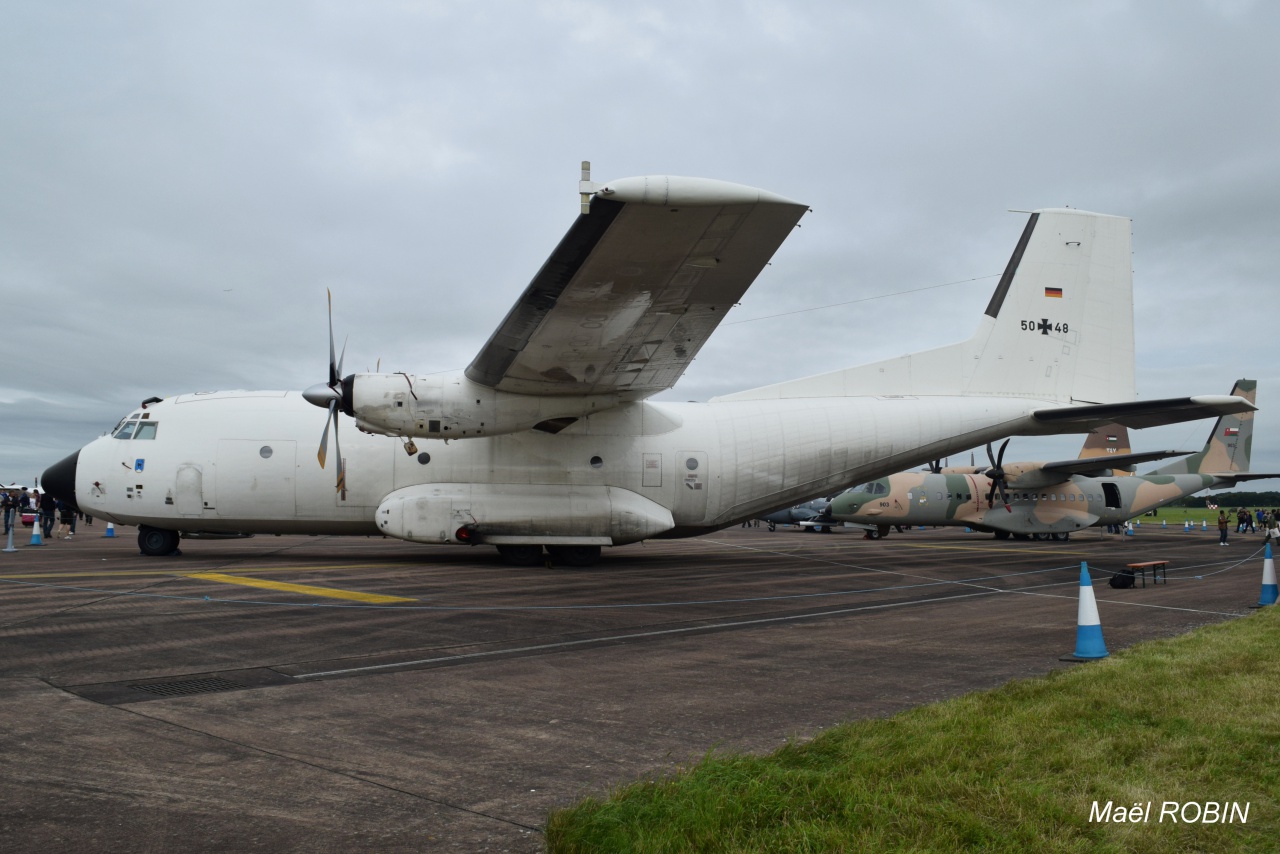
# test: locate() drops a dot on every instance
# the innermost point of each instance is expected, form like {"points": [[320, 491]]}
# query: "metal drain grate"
{"points": [[183, 687]]}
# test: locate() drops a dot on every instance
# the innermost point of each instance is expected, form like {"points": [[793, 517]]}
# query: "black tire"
{"points": [[873, 535], [1001, 535], [157, 542], [574, 555], [521, 555]]}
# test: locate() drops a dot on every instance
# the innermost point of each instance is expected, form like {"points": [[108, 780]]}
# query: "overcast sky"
{"points": [[179, 182]]}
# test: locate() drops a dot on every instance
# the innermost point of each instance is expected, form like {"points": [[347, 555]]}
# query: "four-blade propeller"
{"points": [[329, 395], [997, 476]]}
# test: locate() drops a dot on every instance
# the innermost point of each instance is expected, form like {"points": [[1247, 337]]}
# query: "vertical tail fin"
{"points": [[1229, 445], [1058, 328], [1105, 441]]}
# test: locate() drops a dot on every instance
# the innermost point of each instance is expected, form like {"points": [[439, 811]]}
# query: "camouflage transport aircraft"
{"points": [[1050, 500]]}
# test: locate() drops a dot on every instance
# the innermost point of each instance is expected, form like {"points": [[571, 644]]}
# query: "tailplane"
{"points": [[1058, 328]]}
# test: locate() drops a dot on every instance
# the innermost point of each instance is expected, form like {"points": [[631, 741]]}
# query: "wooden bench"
{"points": [[1158, 568]]}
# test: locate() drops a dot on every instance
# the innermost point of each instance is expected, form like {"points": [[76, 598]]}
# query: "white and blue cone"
{"points": [[1089, 643], [1269, 591]]}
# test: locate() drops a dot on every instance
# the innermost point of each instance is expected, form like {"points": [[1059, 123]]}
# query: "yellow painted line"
{"points": [[373, 598], [111, 573]]}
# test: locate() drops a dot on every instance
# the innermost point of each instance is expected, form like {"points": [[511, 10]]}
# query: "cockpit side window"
{"points": [[146, 430]]}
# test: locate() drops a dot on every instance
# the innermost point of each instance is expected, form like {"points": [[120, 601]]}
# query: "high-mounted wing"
{"points": [[635, 288]]}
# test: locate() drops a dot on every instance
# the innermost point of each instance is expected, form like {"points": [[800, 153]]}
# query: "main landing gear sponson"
{"points": [[157, 542]]}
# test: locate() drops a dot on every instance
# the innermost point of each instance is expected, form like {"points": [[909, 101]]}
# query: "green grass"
{"points": [[1193, 718]]}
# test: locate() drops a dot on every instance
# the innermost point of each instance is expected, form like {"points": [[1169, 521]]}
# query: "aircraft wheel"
{"points": [[574, 555], [157, 541], [521, 555], [1002, 535], [873, 535], [1058, 537]]}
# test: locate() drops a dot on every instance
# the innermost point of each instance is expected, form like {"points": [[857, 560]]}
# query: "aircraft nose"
{"points": [[59, 480]]}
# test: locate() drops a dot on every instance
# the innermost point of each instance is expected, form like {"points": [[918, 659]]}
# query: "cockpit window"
{"points": [[876, 487], [146, 430], [125, 430]]}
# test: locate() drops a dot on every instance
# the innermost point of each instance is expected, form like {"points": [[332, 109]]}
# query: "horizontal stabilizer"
{"points": [[1090, 465], [1231, 478], [1143, 413]]}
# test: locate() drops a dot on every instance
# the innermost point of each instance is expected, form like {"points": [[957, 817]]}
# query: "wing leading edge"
{"points": [[635, 288]]}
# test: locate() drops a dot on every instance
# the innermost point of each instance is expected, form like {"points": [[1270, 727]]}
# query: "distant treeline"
{"points": [[1230, 499]]}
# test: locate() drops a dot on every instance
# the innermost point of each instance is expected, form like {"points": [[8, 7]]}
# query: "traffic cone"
{"points": [[35, 533], [1204, 526], [1128, 529], [1164, 523], [1089, 643], [1137, 523], [111, 531], [1186, 527], [1269, 590]]}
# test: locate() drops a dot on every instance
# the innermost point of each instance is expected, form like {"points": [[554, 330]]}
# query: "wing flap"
{"points": [[635, 288]]}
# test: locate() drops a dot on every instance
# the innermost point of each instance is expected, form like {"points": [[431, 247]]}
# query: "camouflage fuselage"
{"points": [[918, 498]]}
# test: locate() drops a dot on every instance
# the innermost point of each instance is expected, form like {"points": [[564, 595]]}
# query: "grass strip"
{"points": [[1194, 718]]}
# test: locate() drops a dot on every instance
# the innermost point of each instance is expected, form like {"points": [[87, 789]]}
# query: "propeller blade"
{"points": [[341, 484], [324, 438], [333, 369], [1000, 456]]}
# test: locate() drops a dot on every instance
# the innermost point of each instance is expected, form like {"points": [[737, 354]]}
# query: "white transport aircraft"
{"points": [[548, 440]]}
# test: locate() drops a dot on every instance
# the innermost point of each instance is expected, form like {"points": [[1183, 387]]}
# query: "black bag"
{"points": [[1122, 580]]}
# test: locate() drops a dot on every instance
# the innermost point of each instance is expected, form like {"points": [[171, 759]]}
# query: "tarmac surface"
{"points": [[328, 694]]}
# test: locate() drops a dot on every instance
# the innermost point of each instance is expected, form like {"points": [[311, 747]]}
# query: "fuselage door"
{"points": [[694, 482], [1111, 495], [188, 491], [651, 473]]}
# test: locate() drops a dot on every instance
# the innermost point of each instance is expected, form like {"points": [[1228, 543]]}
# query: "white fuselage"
{"points": [[245, 461]]}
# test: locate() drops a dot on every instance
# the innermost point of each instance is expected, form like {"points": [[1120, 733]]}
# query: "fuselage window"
{"points": [[125, 430], [146, 430]]}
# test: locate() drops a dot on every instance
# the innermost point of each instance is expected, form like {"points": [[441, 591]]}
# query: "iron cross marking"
{"points": [[1044, 326]]}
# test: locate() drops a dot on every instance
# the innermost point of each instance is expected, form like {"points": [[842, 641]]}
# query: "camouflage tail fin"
{"points": [[1229, 444], [1105, 441]]}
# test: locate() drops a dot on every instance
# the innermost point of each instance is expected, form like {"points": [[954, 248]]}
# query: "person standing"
{"points": [[1222, 527], [48, 513], [7, 502], [65, 515]]}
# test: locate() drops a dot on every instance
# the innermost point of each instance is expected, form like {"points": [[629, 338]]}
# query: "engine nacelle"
{"points": [[450, 406], [521, 514]]}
